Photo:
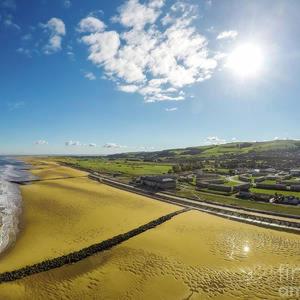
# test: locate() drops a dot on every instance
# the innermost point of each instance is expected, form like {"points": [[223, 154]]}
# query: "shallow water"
{"points": [[10, 199]]}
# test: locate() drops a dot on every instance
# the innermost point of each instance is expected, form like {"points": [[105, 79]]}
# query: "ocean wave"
{"points": [[10, 200]]}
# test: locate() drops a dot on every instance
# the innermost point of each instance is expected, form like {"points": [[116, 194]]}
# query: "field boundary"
{"points": [[85, 252]]}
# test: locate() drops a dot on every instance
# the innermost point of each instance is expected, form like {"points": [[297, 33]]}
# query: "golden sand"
{"points": [[193, 256], [64, 215]]}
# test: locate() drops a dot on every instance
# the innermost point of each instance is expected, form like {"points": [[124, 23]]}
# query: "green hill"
{"points": [[277, 147]]}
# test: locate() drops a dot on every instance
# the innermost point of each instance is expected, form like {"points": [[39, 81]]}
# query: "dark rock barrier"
{"points": [[85, 252]]}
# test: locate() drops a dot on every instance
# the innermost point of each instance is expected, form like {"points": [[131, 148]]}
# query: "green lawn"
{"points": [[232, 183], [272, 192], [129, 168], [214, 192], [268, 181]]}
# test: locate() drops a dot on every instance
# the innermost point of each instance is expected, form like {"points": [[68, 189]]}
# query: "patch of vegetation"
{"points": [[125, 167], [268, 181], [273, 192]]}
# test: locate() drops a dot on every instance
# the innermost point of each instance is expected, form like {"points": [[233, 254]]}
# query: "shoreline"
{"points": [[11, 171], [53, 205]]}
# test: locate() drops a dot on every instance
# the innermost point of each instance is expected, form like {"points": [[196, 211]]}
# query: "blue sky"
{"points": [[97, 77]]}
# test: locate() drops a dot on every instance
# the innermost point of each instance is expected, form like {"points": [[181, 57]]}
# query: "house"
{"points": [[277, 186], [186, 178], [240, 171], [295, 188], [254, 171], [206, 176], [295, 172], [269, 170], [244, 178], [259, 179], [159, 182], [220, 187], [242, 187], [271, 177]]}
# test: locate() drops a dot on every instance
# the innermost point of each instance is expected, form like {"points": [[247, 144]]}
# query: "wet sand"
{"points": [[193, 256], [66, 215]]}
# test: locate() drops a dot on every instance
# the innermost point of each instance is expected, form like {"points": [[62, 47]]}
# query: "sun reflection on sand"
{"points": [[246, 249]]}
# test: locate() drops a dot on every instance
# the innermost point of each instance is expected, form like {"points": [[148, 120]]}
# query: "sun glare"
{"points": [[246, 60]]}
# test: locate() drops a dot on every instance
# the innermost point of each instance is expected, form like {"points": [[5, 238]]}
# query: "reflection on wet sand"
{"points": [[192, 256]]}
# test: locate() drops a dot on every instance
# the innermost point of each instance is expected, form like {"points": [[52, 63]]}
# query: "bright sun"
{"points": [[246, 60]]}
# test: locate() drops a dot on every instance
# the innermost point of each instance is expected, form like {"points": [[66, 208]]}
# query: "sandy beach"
{"points": [[64, 215], [192, 256]]}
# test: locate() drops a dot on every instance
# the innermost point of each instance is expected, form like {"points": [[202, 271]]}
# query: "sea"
{"points": [[14, 170]]}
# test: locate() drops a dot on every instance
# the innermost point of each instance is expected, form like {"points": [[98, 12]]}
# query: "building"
{"points": [[271, 177], [186, 178], [276, 186], [244, 178], [270, 170], [242, 187], [259, 179], [295, 172], [159, 182]]}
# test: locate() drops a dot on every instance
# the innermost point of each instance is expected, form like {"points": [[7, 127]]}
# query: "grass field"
{"points": [[272, 192], [65, 215], [130, 168], [268, 181], [193, 256], [232, 183]]}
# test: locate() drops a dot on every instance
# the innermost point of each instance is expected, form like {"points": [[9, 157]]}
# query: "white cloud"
{"points": [[25, 51], [136, 15], [67, 3], [145, 148], [27, 37], [230, 34], [171, 109], [79, 144], [91, 24], [57, 30], [112, 146], [102, 46], [131, 88], [73, 143], [9, 23], [214, 140], [276, 138], [155, 63], [15, 105], [41, 142], [90, 76]]}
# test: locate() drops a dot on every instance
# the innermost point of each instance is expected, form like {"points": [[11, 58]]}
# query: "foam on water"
{"points": [[10, 199]]}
